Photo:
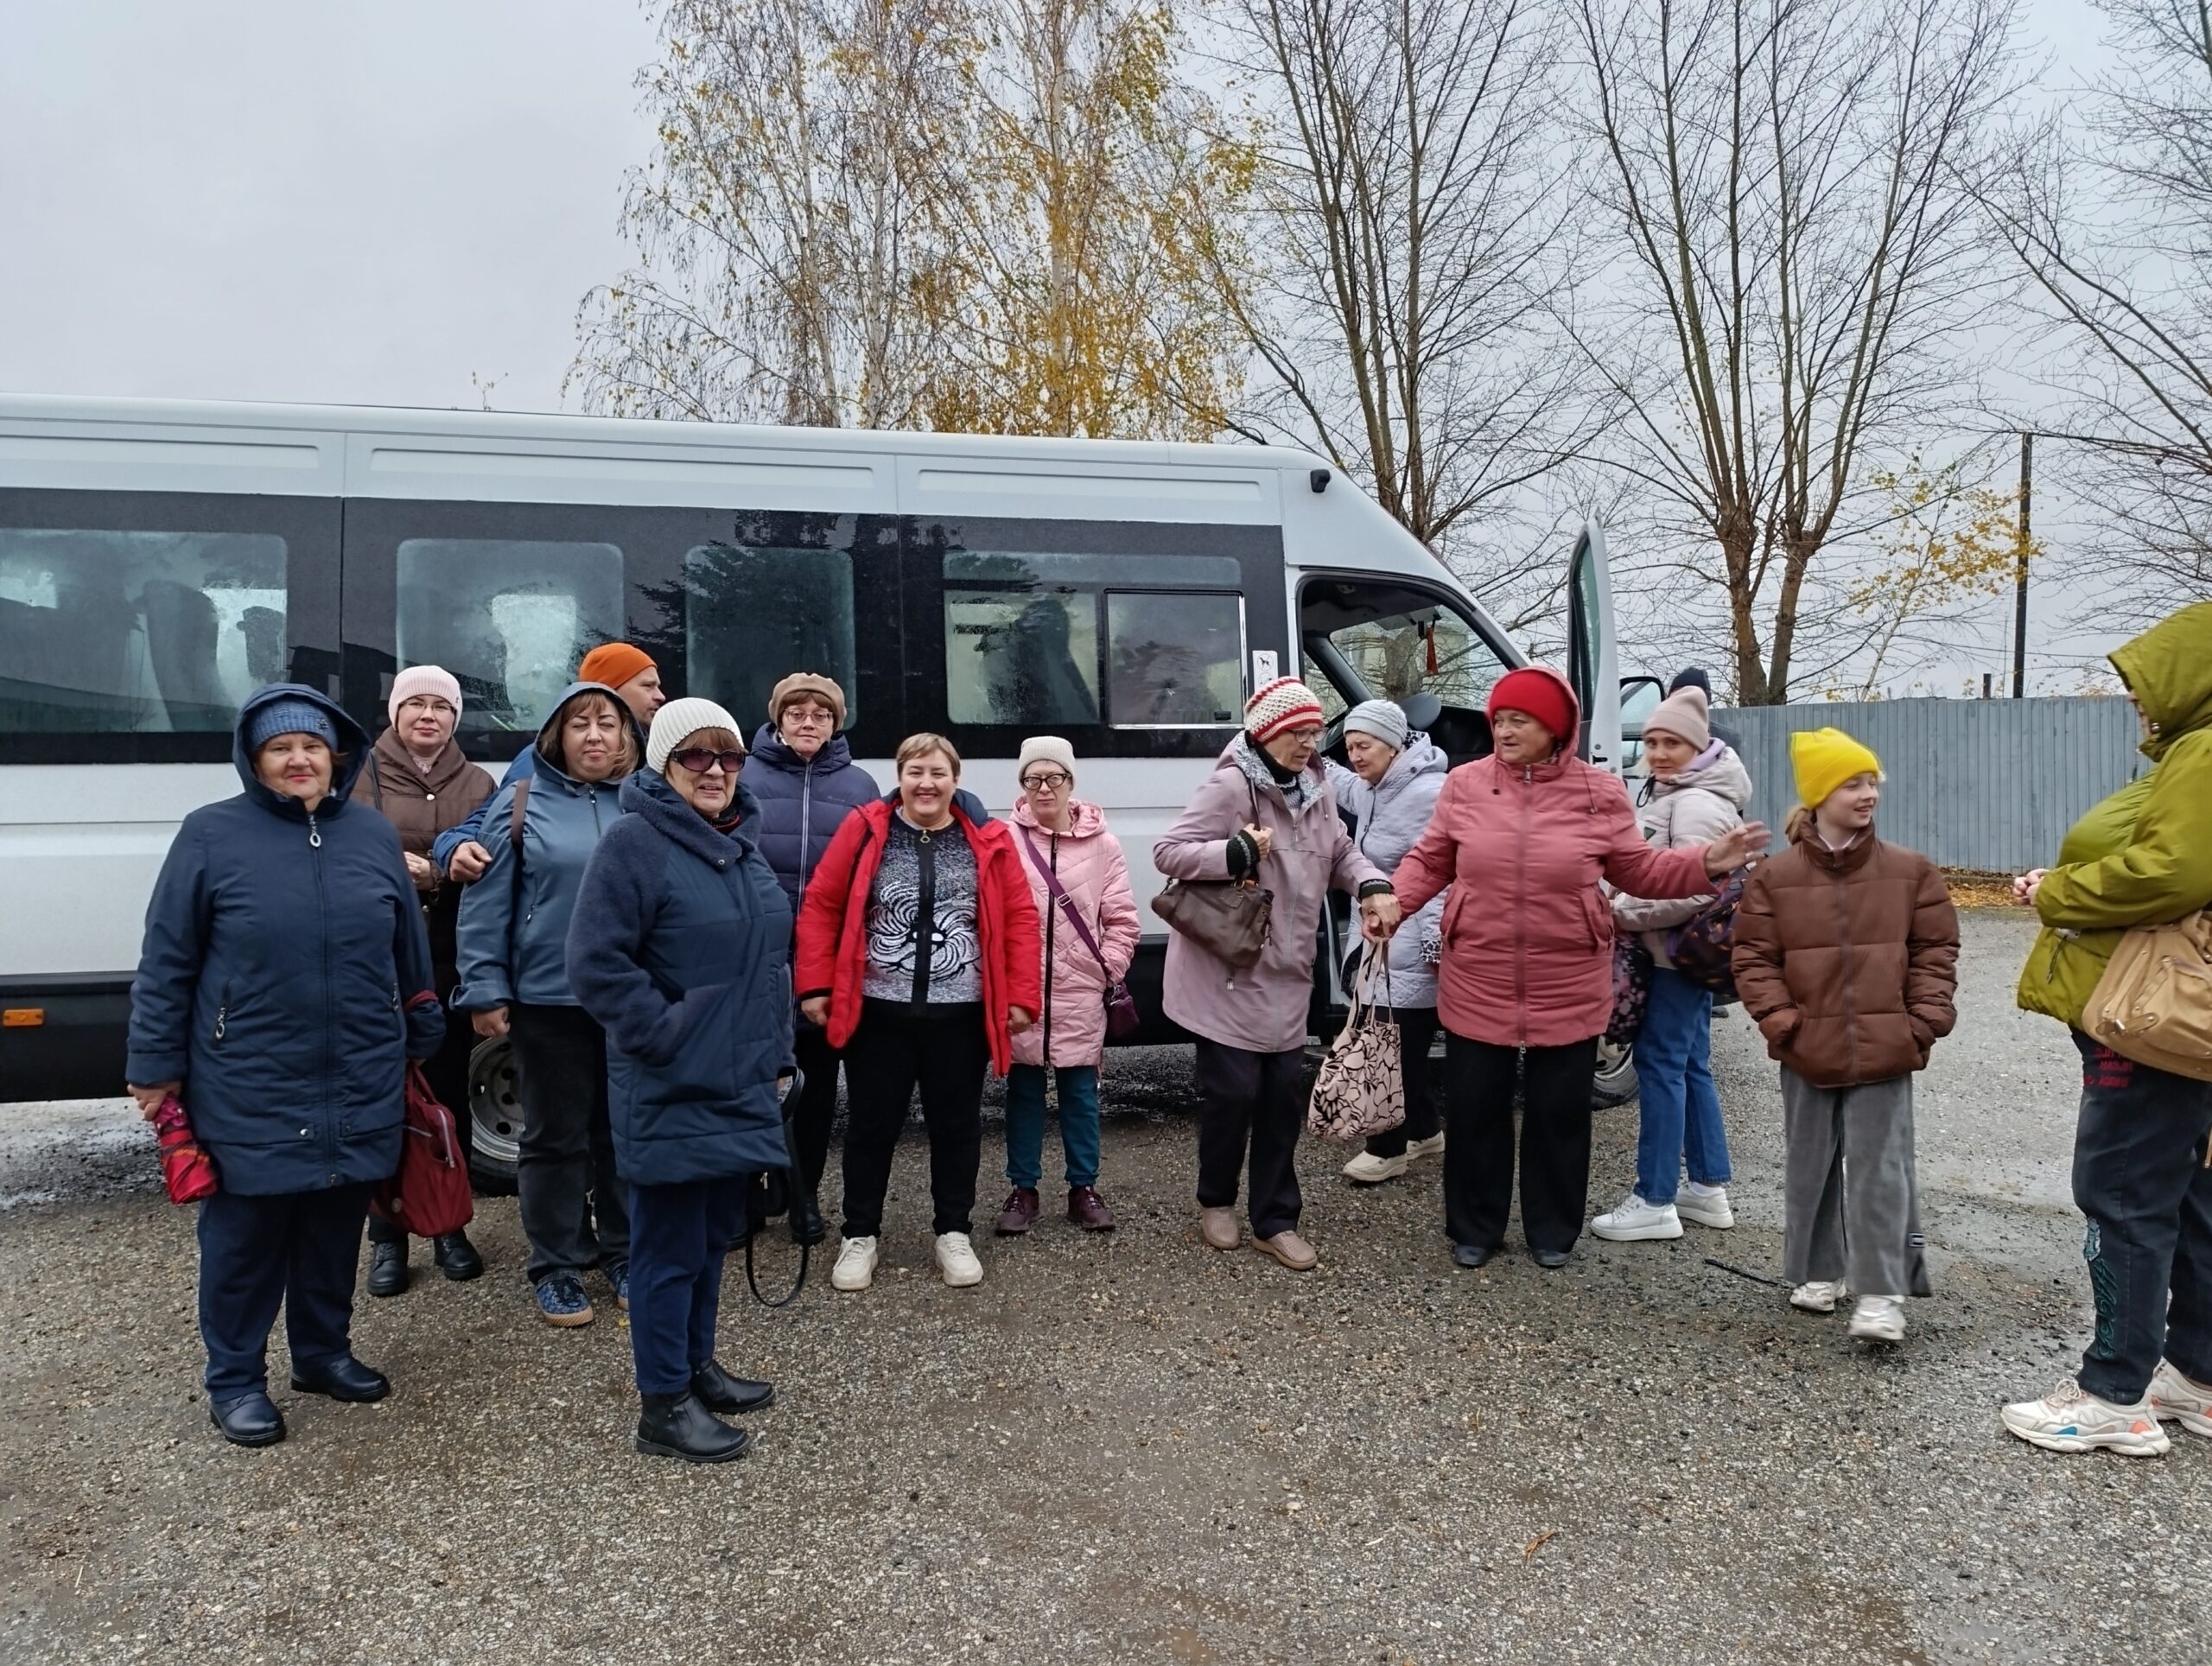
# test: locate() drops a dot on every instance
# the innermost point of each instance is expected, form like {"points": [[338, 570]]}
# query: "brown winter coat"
{"points": [[1848, 959], [421, 807]]}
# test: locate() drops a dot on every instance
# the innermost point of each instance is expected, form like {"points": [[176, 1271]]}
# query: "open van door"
{"points": [[1592, 658]]}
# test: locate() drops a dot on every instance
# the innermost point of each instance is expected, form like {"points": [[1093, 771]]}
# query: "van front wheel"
{"points": [[494, 1117]]}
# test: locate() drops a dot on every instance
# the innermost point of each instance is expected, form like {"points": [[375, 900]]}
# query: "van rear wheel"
{"points": [[1616, 1080], [494, 1117]]}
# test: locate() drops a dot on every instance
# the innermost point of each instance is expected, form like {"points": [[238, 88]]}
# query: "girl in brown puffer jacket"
{"points": [[1846, 953]]}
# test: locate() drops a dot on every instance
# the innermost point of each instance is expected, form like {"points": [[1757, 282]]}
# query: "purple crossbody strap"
{"points": [[1067, 904]]}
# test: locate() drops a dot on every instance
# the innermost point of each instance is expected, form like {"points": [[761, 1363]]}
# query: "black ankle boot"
{"points": [[718, 1390], [251, 1420], [387, 1268], [457, 1258], [678, 1426], [806, 1223]]}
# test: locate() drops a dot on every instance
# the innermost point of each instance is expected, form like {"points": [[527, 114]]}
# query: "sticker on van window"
{"points": [[1263, 667]]}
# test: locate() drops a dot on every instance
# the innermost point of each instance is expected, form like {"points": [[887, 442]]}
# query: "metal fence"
{"points": [[1984, 784]]}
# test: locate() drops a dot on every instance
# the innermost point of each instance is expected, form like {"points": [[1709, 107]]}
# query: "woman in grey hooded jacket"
{"points": [[1396, 777], [1698, 790]]}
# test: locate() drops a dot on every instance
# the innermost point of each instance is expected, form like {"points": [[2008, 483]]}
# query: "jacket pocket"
{"points": [[1597, 919]]}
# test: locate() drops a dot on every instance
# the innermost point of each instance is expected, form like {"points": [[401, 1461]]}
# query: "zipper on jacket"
{"points": [[1521, 908], [1843, 937], [323, 920], [314, 833], [805, 820], [222, 1011]]}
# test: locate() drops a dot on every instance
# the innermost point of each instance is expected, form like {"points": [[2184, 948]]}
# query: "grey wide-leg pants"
{"points": [[1868, 1231]]}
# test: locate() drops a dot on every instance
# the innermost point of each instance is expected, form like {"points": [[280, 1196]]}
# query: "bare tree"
{"points": [[794, 259], [1413, 216], [1798, 258], [2114, 224]]}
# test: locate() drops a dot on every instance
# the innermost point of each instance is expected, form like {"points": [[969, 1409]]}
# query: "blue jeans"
{"points": [[1673, 1077], [1025, 1123], [677, 1236]]}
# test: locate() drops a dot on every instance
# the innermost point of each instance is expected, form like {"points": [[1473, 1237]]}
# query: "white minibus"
{"points": [[159, 560]]}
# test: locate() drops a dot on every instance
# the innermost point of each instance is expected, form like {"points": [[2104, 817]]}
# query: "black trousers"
{"points": [[1251, 1108], [575, 1212], [295, 1248], [448, 1070], [817, 1102], [1417, 1027], [2140, 1177], [1555, 1086], [944, 1050]]}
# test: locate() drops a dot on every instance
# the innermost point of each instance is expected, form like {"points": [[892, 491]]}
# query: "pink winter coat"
{"points": [[1087, 860], [1527, 935]]}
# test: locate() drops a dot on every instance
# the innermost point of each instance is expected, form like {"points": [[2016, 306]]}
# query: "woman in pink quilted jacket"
{"points": [[1056, 834], [1525, 988]]}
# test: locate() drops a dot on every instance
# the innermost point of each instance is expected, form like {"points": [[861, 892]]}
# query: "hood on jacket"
{"points": [[548, 744], [1722, 775], [1244, 743], [768, 749], [2169, 671], [352, 748], [646, 793], [1085, 820], [1419, 756]]}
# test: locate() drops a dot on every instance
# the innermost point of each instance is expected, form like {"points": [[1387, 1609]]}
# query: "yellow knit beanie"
{"points": [[1824, 759]]}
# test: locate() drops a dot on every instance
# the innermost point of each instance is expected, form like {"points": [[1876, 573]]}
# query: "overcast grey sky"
{"points": [[348, 202]]}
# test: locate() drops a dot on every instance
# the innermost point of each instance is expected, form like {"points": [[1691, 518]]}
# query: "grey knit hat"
{"points": [[289, 717], [1383, 719]]}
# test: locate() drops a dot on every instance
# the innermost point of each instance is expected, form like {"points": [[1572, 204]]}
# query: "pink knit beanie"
{"points": [[1682, 713], [1284, 703], [423, 679]]}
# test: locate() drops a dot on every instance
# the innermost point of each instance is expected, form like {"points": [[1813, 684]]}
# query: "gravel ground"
{"points": [[1129, 1446]]}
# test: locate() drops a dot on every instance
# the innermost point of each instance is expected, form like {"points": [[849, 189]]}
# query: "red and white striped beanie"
{"points": [[1284, 703]]}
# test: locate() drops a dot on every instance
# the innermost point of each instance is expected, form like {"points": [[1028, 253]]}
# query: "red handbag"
{"points": [[429, 1194], [187, 1169]]}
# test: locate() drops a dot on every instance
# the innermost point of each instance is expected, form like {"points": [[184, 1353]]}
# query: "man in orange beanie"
{"points": [[629, 672]]}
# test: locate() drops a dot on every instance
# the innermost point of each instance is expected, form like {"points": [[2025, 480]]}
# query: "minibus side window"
{"points": [[110, 632], [754, 613], [510, 618], [1024, 656], [1175, 661]]}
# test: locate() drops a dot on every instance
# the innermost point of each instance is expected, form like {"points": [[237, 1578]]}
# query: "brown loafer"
{"points": [[1088, 1210], [1020, 1214], [1290, 1250], [1220, 1228]]}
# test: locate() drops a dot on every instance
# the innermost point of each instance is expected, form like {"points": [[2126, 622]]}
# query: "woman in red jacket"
{"points": [[1525, 987], [918, 951]]}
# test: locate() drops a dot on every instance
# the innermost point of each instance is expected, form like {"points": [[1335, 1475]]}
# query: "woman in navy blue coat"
{"points": [[680, 948], [284, 984]]}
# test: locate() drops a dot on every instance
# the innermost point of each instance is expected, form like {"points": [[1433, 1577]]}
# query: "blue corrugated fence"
{"points": [[1984, 784]]}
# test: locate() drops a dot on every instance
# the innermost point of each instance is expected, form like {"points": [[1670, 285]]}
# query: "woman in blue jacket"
{"points": [[284, 984], [680, 946], [514, 980], [803, 774]]}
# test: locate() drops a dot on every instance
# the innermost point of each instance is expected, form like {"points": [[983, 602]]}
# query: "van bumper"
{"points": [[74, 1048]]}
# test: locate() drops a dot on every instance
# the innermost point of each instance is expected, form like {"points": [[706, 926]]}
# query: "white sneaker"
{"points": [[1370, 1170], [1432, 1146], [1879, 1319], [856, 1268], [2182, 1398], [1820, 1296], [1634, 1220], [1707, 1205], [2069, 1418], [956, 1259]]}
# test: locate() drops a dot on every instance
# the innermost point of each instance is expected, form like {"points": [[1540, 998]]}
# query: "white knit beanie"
{"points": [[1383, 719], [1682, 713], [423, 679], [677, 721], [1284, 703], [1044, 749]]}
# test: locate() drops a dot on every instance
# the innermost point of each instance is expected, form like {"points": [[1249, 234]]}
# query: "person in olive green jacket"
{"points": [[2142, 857]]}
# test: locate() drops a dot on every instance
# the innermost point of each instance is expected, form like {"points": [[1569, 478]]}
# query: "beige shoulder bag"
{"points": [[2154, 1003]]}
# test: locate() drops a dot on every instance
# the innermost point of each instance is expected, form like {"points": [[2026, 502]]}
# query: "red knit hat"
{"points": [[1541, 693], [1284, 703]]}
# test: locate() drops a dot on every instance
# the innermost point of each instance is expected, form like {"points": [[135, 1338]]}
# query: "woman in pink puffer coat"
{"points": [[1525, 987], [1054, 832]]}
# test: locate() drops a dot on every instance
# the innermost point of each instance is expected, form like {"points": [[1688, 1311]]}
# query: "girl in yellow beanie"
{"points": [[1846, 954]]}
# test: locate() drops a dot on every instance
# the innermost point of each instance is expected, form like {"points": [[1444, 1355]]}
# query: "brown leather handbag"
{"points": [[1226, 918]]}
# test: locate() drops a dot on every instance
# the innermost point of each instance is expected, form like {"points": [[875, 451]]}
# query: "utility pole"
{"points": [[2020, 568]]}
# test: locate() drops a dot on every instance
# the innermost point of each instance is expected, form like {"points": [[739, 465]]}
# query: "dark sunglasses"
{"points": [[700, 759]]}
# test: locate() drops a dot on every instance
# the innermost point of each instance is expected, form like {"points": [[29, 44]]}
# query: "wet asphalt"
{"points": [[1129, 1447]]}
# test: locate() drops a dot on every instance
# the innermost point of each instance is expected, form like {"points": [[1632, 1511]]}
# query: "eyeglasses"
{"points": [[812, 716], [1052, 782], [700, 759]]}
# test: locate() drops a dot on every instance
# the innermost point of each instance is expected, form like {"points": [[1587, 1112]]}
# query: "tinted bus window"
{"points": [[137, 631], [1017, 651], [1177, 661], [753, 615], [509, 618]]}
